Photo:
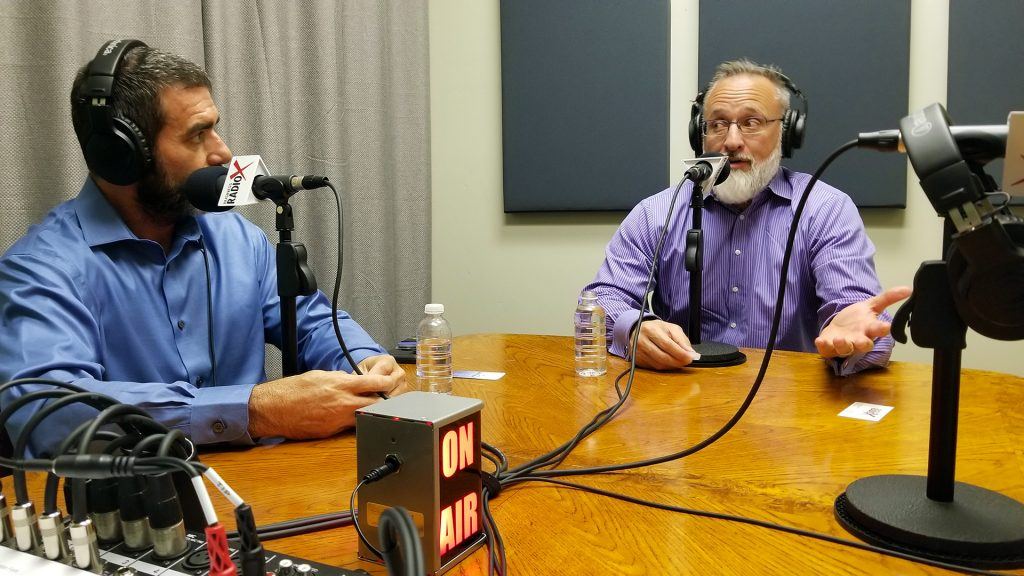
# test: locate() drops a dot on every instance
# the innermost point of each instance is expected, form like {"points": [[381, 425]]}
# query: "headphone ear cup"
{"points": [[792, 132], [787, 146], [120, 156], [796, 129], [987, 281], [696, 138]]}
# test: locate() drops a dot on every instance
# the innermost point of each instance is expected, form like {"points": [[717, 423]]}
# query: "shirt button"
{"points": [[200, 381], [732, 324], [735, 288], [219, 427], [742, 216], [181, 324], [737, 252]]}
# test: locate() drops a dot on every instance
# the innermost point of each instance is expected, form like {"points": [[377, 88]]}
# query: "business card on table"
{"points": [[865, 411], [477, 375]]}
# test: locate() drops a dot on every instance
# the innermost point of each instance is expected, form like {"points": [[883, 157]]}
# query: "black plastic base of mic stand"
{"points": [[978, 528], [717, 355]]}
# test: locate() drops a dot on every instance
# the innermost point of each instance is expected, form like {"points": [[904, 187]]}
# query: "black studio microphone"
{"points": [[203, 187], [703, 170], [976, 143]]}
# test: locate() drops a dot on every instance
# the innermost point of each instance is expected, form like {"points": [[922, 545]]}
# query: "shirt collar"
{"points": [[101, 224], [780, 186]]}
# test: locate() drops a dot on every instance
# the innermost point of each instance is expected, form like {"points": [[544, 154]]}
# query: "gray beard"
{"points": [[743, 185]]}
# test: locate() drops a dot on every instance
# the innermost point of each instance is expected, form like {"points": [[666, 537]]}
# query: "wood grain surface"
{"points": [[785, 462]]}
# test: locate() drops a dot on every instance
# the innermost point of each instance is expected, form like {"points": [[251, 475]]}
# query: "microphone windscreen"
{"points": [[202, 188]]}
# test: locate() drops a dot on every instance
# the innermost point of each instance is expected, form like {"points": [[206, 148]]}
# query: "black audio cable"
{"points": [[400, 543], [337, 283], [20, 488], [121, 443], [496, 456], [273, 532], [68, 446], [556, 456], [89, 466], [359, 530], [111, 414], [209, 314], [497, 563], [391, 465], [764, 524], [25, 522], [91, 399], [299, 526]]}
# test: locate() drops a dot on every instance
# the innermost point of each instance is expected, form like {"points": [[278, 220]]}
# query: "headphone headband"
{"points": [[792, 120]]}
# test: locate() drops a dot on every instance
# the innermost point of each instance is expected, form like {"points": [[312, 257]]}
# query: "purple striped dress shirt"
{"points": [[832, 267]]}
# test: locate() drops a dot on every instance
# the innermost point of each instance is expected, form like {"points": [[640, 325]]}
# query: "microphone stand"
{"points": [[936, 516], [712, 354], [294, 278]]}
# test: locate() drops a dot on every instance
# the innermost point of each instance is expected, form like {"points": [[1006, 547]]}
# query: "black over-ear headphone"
{"points": [[985, 260], [114, 147], [792, 121]]}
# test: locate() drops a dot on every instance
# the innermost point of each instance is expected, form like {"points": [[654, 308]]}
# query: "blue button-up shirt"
{"points": [[83, 300], [832, 267]]}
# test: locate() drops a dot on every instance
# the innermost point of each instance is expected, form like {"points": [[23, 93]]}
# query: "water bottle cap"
{"points": [[433, 309], [588, 296]]}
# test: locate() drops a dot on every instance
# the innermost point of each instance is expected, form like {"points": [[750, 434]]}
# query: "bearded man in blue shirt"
{"points": [[115, 290]]}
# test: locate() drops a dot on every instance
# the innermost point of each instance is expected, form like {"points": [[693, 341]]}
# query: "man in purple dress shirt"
{"points": [[833, 297]]}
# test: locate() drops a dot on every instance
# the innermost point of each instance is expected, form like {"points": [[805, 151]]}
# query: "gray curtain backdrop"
{"points": [[338, 88]]}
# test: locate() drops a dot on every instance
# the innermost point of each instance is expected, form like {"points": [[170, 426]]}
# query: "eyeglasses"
{"points": [[748, 126]]}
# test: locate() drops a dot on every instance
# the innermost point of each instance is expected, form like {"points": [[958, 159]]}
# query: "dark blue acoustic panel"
{"points": [[584, 103], [851, 59], [986, 51]]}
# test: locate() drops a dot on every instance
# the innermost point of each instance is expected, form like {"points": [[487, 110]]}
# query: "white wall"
{"points": [[522, 273]]}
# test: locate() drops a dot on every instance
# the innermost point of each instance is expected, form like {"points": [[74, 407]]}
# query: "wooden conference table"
{"points": [[785, 462]]}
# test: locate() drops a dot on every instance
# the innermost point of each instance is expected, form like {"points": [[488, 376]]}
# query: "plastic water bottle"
{"points": [[434, 351], [591, 352]]}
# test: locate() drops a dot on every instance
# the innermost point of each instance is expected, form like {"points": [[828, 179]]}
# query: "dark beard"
{"points": [[161, 199]]}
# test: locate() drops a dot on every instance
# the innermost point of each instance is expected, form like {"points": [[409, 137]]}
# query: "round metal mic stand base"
{"points": [[717, 354], [979, 528]]}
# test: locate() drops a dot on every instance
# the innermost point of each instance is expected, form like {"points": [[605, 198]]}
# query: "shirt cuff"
{"points": [[622, 329], [359, 356], [620, 332], [846, 366], [221, 414], [877, 358]]}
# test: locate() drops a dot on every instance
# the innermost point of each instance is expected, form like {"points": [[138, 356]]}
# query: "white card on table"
{"points": [[865, 411]]}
